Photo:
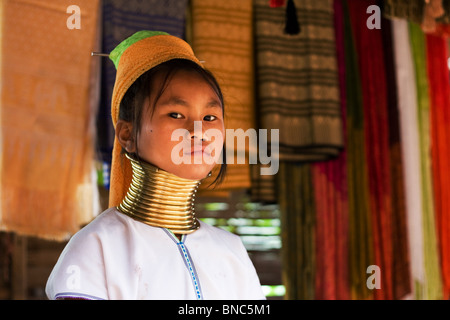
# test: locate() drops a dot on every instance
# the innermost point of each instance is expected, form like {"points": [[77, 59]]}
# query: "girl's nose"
{"points": [[196, 132], [202, 136]]}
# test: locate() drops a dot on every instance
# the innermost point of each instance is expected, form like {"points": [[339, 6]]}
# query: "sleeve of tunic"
{"points": [[79, 272]]}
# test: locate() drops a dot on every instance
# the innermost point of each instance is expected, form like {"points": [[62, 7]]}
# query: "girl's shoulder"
{"points": [[218, 236], [109, 222], [218, 232]]}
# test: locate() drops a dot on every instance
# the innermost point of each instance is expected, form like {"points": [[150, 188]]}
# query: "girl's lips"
{"points": [[197, 153], [198, 150]]}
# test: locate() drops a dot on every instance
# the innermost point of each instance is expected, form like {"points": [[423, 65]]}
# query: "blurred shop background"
{"points": [[358, 89]]}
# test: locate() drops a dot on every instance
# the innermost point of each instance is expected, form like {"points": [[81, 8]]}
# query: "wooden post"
{"points": [[19, 268]]}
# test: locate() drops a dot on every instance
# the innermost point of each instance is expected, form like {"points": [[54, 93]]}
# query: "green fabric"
{"points": [[433, 283], [121, 47], [361, 253]]}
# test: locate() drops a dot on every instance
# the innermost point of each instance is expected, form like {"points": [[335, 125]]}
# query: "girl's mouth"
{"points": [[198, 151]]}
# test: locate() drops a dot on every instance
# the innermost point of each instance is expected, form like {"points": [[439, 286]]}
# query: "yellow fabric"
{"points": [[136, 60], [222, 36], [46, 117]]}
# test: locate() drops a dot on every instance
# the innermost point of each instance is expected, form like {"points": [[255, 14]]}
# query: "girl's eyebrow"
{"points": [[178, 101], [214, 103], [173, 101]]}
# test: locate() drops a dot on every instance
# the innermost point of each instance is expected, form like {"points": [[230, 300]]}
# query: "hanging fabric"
{"points": [[429, 14], [297, 85], [221, 35], [47, 125], [401, 285], [411, 10], [433, 283], [409, 125], [360, 250], [368, 43], [433, 9], [297, 89], [331, 199], [439, 88]]}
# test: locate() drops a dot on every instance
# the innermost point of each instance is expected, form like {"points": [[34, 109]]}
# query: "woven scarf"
{"points": [[46, 118], [297, 83], [439, 88], [221, 35], [121, 19], [297, 90], [433, 285], [409, 125]]}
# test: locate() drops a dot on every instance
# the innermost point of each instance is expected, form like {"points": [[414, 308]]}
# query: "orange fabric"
{"points": [[46, 117], [136, 60], [222, 36]]}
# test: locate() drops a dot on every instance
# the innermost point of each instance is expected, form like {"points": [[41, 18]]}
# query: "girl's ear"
{"points": [[124, 134]]}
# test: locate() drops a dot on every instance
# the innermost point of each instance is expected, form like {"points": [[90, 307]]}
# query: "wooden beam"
{"points": [[19, 268]]}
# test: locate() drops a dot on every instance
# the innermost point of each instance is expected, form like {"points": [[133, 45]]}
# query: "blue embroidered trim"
{"points": [[188, 263], [190, 266], [63, 295]]}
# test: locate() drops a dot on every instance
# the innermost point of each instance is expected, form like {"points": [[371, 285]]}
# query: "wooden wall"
{"points": [[25, 264]]}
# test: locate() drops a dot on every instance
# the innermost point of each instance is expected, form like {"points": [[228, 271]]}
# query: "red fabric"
{"points": [[276, 3], [442, 30], [439, 91], [372, 70], [400, 260], [331, 200]]}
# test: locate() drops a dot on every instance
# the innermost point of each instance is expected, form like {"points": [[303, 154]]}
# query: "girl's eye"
{"points": [[175, 115], [209, 118]]}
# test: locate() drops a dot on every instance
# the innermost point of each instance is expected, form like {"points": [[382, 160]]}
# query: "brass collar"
{"points": [[160, 199]]}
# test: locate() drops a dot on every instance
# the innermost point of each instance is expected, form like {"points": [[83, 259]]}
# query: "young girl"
{"points": [[148, 244]]}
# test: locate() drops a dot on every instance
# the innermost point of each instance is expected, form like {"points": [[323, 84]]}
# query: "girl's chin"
{"points": [[191, 171]]}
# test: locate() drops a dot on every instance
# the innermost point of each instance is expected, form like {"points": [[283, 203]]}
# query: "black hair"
{"points": [[132, 104]]}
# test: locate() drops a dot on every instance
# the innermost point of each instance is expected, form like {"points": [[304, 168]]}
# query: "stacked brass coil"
{"points": [[160, 199]]}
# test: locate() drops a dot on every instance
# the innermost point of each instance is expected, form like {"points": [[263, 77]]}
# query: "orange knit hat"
{"points": [[132, 58]]}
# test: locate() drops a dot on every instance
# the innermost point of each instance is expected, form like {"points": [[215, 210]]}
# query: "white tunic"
{"points": [[116, 257]]}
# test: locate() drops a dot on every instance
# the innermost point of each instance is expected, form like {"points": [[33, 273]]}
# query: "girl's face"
{"points": [[187, 98]]}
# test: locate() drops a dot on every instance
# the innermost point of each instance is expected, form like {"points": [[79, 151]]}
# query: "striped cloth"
{"points": [[297, 85], [46, 118], [297, 88], [221, 35]]}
